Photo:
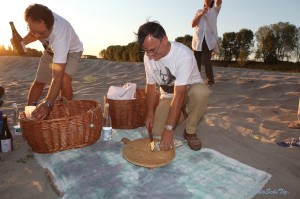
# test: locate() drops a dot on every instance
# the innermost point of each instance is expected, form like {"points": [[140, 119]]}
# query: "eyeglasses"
{"points": [[44, 33], [152, 51]]}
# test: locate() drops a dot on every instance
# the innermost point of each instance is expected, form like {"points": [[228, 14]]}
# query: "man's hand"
{"points": [[41, 112], [166, 142]]}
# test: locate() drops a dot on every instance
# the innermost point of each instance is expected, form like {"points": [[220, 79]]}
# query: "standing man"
{"points": [[205, 38], [173, 67], [59, 61]]}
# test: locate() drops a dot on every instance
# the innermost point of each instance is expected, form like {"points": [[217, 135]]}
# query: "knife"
{"points": [[151, 145]]}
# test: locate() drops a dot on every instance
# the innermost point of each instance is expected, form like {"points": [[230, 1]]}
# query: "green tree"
{"points": [[230, 47], [285, 36], [33, 53], [297, 49], [186, 40], [102, 54], [266, 45], [245, 42]]}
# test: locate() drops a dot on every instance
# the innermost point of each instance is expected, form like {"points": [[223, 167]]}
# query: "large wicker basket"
{"points": [[71, 124], [128, 114]]}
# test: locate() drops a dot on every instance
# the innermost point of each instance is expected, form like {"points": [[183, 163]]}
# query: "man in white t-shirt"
{"points": [[173, 67], [59, 61]]}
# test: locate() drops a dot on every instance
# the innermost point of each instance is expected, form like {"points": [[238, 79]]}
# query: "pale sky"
{"points": [[101, 23]]}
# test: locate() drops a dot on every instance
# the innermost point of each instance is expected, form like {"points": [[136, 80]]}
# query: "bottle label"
{"points": [[6, 145], [106, 133], [24, 47]]}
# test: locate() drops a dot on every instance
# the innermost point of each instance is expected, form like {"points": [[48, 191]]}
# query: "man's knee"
{"points": [[199, 92], [39, 84], [66, 87], [67, 79], [66, 82]]}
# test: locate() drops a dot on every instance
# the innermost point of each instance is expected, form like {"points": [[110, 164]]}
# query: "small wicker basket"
{"points": [[70, 124], [128, 114]]}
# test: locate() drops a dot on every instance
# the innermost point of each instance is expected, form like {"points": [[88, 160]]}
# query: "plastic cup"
{"points": [[17, 130]]}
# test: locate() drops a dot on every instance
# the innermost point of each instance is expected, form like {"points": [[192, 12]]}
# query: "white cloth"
{"points": [[178, 67], [210, 32], [63, 40], [126, 92]]}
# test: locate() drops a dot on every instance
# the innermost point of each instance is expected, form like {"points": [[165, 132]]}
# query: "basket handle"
{"points": [[63, 101]]}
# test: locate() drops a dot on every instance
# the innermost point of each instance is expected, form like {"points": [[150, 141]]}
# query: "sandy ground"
{"points": [[248, 112]]}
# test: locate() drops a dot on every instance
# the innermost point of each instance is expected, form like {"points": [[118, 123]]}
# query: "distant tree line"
{"points": [[131, 53], [272, 44], [10, 52]]}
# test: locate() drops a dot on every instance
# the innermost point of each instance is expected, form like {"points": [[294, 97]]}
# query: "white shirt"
{"points": [[203, 29], [178, 67], [63, 40]]}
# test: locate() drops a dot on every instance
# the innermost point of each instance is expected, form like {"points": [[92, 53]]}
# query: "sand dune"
{"points": [[248, 112]]}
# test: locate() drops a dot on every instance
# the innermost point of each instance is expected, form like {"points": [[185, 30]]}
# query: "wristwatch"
{"points": [[49, 105], [169, 127]]}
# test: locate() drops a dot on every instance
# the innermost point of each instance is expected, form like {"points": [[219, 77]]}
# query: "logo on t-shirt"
{"points": [[166, 77], [47, 47]]}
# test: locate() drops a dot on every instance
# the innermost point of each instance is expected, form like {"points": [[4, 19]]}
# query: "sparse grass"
{"points": [[28, 156]]}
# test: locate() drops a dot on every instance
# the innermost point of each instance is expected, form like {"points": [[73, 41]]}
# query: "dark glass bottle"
{"points": [[17, 40], [6, 137]]}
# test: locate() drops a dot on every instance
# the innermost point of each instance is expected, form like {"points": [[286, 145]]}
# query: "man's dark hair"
{"points": [[38, 12], [150, 28]]}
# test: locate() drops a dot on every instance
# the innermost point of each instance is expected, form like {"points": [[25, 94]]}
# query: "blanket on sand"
{"points": [[100, 171]]}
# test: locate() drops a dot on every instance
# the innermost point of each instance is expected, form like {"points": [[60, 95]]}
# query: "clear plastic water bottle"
{"points": [[16, 114], [16, 120], [106, 133]]}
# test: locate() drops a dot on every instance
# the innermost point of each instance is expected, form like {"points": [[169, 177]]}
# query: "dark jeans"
{"points": [[204, 57]]}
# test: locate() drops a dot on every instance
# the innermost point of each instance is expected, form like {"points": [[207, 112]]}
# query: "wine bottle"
{"points": [[106, 124], [17, 40], [6, 137]]}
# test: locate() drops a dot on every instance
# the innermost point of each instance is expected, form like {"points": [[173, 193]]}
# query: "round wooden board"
{"points": [[138, 152]]}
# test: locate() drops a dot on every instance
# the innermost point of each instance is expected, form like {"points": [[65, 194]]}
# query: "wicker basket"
{"points": [[71, 124], [128, 114]]}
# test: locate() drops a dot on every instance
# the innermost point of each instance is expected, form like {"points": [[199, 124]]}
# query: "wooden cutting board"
{"points": [[138, 152]]}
